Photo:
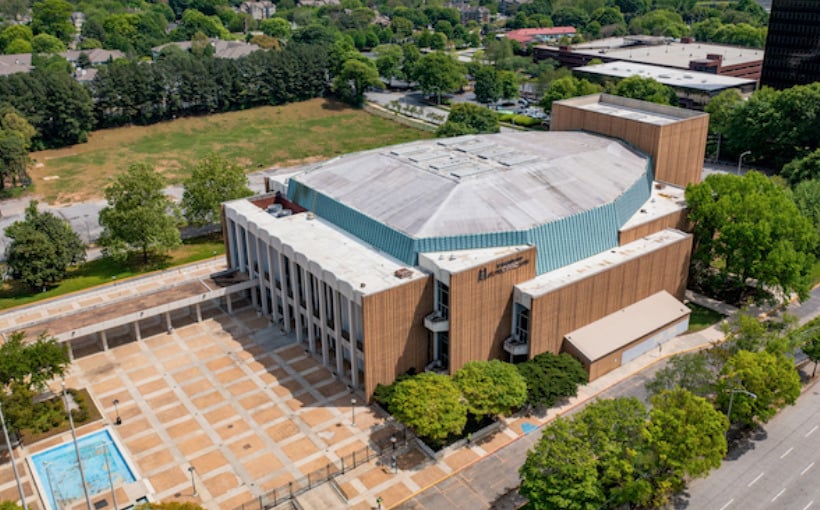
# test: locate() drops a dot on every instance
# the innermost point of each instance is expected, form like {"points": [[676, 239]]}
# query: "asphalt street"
{"points": [[778, 468]]}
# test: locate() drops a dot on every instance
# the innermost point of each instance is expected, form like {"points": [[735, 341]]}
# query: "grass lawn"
{"points": [[257, 138], [104, 270], [702, 318]]}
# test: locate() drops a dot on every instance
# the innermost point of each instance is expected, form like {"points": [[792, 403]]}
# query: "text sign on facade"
{"points": [[502, 267]]}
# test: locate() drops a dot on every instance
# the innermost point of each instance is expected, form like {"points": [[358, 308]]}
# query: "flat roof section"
{"points": [[665, 200], [482, 183], [670, 54], [619, 329], [457, 261], [350, 260], [548, 282], [640, 111], [677, 78]]}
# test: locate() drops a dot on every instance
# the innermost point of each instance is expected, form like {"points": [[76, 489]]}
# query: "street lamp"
{"points": [[393, 441], [353, 410], [13, 462], [118, 421], [76, 447], [191, 470], [732, 399], [740, 160]]}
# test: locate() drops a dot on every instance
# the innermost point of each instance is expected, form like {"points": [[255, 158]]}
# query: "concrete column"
{"points": [[323, 320], [272, 282], [262, 282], [228, 302], [232, 252], [137, 333], [103, 340], [70, 351], [337, 322], [295, 276], [168, 325], [309, 311], [354, 372], [198, 312], [284, 293], [239, 257]]}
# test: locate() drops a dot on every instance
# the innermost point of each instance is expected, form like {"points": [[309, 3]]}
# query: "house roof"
{"points": [[525, 35], [17, 63]]}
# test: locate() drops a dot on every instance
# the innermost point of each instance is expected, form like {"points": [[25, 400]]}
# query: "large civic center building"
{"points": [[426, 255]]}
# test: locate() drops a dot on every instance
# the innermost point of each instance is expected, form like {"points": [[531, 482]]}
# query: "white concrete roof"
{"points": [[587, 267], [677, 78], [323, 249], [481, 183], [673, 54], [460, 260], [665, 200], [623, 327], [641, 111]]}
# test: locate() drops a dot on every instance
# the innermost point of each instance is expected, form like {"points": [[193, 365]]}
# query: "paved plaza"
{"points": [[249, 410]]}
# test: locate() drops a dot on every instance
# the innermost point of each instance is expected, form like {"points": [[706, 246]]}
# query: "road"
{"points": [[777, 469]]}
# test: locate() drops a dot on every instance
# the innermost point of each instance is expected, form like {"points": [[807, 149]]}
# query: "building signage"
{"points": [[502, 267]]}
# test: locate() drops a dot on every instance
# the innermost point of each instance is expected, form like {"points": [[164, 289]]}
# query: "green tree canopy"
{"points": [[46, 43], [550, 377], [695, 372], [771, 377], [566, 87], [491, 387], [31, 364], [807, 199], [52, 17], [811, 342], [42, 248], [747, 230], [802, 169], [645, 89], [13, 33], [720, 109], [430, 404], [213, 180], [276, 27], [487, 88], [468, 118], [354, 79], [138, 216], [438, 73]]}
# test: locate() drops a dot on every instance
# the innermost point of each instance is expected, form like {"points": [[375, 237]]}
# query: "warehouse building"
{"points": [[426, 255]]}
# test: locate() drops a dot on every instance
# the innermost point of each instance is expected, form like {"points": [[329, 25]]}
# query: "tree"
{"points": [[771, 377], [18, 46], [138, 215], [42, 248], [13, 33], [686, 436], [811, 344], [508, 84], [9, 505], [645, 89], [389, 61], [720, 109], [213, 180], [561, 471], [747, 230], [567, 87], [15, 140], [807, 199], [550, 377], [45, 43], [491, 387], [438, 73], [468, 118], [430, 404], [276, 27], [52, 17], [354, 79], [486, 88], [695, 372], [31, 364], [802, 169]]}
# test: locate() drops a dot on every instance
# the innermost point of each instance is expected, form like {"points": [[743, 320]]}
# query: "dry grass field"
{"points": [[257, 138]]}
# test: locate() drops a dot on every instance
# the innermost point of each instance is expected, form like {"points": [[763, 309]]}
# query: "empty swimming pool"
{"points": [[59, 475]]}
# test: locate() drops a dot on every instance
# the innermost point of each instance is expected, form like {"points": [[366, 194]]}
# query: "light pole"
{"points": [[11, 458], [110, 479], [731, 401], [740, 160], [118, 420], [191, 470], [353, 410], [76, 447]]}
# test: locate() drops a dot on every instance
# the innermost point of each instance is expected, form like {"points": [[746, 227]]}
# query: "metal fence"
{"points": [[299, 486]]}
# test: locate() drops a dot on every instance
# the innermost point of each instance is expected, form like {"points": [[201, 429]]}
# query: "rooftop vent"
{"points": [[274, 209], [403, 273]]}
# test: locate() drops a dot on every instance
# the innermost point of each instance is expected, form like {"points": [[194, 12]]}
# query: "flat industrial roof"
{"points": [[480, 183], [459, 260], [678, 78], [670, 54], [641, 111], [665, 200], [619, 329], [350, 260], [587, 267]]}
